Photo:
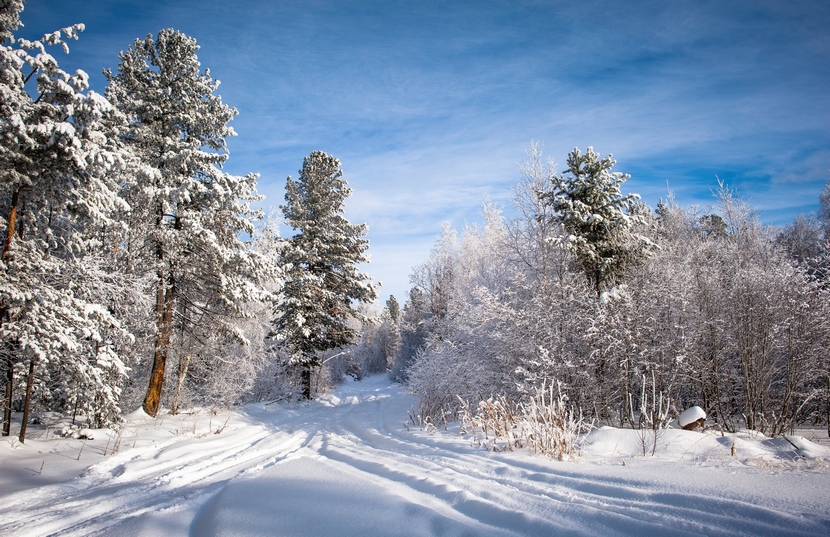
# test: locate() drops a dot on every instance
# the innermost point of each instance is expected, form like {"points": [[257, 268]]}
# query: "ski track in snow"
{"points": [[348, 466]]}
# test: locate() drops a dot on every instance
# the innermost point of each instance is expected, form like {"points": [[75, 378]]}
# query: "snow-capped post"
{"points": [[692, 418], [598, 220], [323, 280], [190, 215]]}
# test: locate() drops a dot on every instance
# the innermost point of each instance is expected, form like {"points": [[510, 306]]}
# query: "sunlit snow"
{"points": [[347, 465]]}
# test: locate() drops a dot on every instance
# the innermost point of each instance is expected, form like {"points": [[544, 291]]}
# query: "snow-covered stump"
{"points": [[692, 418]]}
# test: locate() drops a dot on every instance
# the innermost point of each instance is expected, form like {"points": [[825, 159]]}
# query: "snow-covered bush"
{"points": [[277, 380], [76, 432], [443, 373], [718, 313], [496, 420], [652, 415]]}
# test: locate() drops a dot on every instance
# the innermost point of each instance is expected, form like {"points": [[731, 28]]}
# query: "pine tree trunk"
{"points": [[30, 380], [184, 362], [11, 224], [7, 412], [164, 322], [306, 380]]}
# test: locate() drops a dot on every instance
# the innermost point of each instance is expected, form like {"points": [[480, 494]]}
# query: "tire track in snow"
{"points": [[532, 501], [361, 435], [146, 482]]}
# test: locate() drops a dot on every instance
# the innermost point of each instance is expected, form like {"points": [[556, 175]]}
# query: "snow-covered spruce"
{"points": [[323, 280], [597, 219]]}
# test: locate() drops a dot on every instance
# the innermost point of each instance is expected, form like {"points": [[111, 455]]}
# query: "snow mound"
{"points": [[613, 444]]}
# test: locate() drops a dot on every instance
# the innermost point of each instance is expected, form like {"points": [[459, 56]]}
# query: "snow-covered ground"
{"points": [[347, 465]]}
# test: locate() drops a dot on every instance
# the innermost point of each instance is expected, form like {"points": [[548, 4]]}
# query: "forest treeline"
{"points": [[623, 308]]}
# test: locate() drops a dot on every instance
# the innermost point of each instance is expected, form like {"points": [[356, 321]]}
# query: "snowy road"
{"points": [[348, 466]]}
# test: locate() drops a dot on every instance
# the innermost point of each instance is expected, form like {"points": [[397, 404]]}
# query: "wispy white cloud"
{"points": [[430, 105]]}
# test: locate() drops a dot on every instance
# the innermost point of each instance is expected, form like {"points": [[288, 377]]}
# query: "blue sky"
{"points": [[430, 105]]}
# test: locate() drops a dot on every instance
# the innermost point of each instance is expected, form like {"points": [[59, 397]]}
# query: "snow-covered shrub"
{"points": [[444, 373], [276, 381], [76, 432], [717, 313], [653, 416], [345, 363]]}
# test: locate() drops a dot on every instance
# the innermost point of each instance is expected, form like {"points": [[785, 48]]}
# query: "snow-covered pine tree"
{"points": [[394, 308], [597, 218], [54, 187], [389, 332], [324, 280], [188, 215]]}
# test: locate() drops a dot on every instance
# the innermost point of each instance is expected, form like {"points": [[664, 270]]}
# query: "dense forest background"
{"points": [[663, 308]]}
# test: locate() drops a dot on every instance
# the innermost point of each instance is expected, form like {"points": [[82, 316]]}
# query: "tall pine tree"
{"points": [[187, 215], [598, 219], [323, 280], [54, 188]]}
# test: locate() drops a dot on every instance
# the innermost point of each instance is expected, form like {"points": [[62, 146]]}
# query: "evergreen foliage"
{"points": [[323, 280], [187, 215], [55, 192], [596, 216], [394, 308]]}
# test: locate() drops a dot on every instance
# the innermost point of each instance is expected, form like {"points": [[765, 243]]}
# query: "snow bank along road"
{"points": [[347, 466]]}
